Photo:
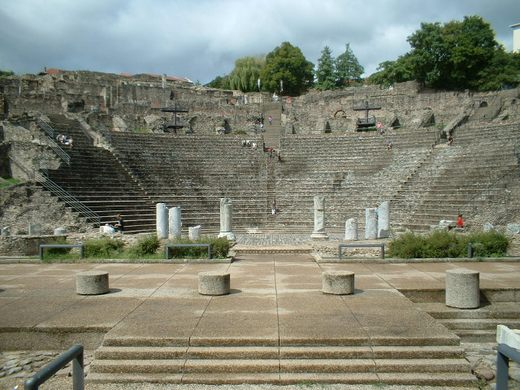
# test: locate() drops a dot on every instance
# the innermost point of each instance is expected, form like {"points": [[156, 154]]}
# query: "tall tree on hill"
{"points": [[221, 82], [246, 73], [326, 72], [457, 55], [347, 67], [286, 71]]}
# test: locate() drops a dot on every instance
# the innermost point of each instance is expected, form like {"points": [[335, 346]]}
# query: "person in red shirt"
{"points": [[460, 221]]}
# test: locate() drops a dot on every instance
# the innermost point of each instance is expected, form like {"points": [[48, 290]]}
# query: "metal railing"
{"points": [[60, 192], [51, 133], [74, 354]]}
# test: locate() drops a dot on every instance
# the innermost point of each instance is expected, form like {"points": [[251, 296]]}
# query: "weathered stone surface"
{"points": [[214, 283], [175, 222], [226, 218], [60, 231], [383, 220], [351, 229], [92, 283], [462, 288], [513, 228], [161, 220], [319, 219], [370, 224], [194, 232], [337, 282]]}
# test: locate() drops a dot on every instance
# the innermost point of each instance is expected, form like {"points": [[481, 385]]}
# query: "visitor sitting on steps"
{"points": [[460, 222], [119, 226]]}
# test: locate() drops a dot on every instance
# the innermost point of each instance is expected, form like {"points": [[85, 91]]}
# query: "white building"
{"points": [[516, 37]]}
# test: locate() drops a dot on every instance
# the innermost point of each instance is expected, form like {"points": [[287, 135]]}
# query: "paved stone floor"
{"points": [[269, 294]]}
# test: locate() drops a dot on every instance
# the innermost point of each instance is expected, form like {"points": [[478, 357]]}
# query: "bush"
{"points": [[448, 244], [146, 245], [58, 251], [219, 248], [103, 247]]}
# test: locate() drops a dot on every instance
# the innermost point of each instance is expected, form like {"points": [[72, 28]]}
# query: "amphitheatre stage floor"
{"points": [[275, 300]]}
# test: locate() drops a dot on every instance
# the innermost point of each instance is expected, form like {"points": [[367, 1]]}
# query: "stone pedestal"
{"points": [[60, 231], [337, 282], [370, 224], [226, 215], [214, 283], [351, 231], [462, 289], [319, 219], [92, 283], [161, 220], [383, 220], [5, 232], [35, 229], [174, 222], [194, 232]]}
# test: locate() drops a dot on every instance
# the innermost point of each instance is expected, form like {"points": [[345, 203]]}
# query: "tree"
{"points": [[287, 71], [325, 74], [246, 73], [347, 67], [6, 73], [221, 82], [457, 55]]}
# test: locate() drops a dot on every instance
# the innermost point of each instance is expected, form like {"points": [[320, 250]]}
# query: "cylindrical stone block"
{"points": [[194, 232], [337, 282], [383, 220], [60, 231], [92, 283], [214, 283], [175, 222], [370, 224], [161, 220], [462, 289], [351, 232]]}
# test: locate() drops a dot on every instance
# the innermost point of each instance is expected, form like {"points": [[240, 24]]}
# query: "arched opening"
{"points": [[340, 114], [395, 124], [327, 128], [483, 104]]}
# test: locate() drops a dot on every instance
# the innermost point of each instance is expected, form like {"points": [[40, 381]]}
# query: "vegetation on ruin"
{"points": [[6, 73], [339, 72], [456, 55], [219, 248], [147, 247], [6, 183], [246, 73], [442, 244]]}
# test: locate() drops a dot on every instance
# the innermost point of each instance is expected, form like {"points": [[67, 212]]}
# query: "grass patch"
{"points": [[219, 248], [440, 244], [9, 182]]}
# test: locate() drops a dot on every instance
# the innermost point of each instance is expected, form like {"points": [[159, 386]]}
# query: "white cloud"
{"points": [[202, 39]]}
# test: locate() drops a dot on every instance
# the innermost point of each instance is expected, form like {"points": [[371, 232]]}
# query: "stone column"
{"points": [[226, 212], [35, 229], [351, 232], [174, 222], [319, 219], [194, 232], [383, 220], [370, 224], [161, 220]]}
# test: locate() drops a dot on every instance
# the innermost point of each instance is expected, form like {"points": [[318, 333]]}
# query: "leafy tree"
{"points": [[287, 71], [347, 67], [457, 55], [246, 73], [5, 73], [221, 82], [325, 74]]}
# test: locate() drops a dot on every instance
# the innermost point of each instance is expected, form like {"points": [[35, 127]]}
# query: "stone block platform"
{"points": [[275, 326]]}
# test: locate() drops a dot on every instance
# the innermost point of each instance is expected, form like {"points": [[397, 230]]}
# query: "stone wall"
{"points": [[122, 103], [316, 112], [26, 204]]}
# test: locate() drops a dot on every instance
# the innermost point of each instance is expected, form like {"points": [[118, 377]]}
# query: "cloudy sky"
{"points": [[201, 39]]}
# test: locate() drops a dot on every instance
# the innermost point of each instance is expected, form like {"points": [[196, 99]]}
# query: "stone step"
{"points": [[479, 324]]}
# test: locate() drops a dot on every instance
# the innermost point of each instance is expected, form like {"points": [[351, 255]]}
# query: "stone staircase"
{"points": [[99, 181], [438, 362], [273, 131]]}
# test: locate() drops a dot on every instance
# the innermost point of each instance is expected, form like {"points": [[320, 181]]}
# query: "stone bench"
{"points": [[462, 288], [354, 245], [92, 283], [214, 283], [337, 282], [80, 246], [171, 246]]}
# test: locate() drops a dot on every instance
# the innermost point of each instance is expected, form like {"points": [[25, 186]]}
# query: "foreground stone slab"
{"points": [[214, 283], [337, 282], [462, 288], [92, 283]]}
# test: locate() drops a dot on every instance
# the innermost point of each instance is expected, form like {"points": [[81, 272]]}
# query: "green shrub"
{"points": [[146, 245], [219, 248], [448, 244], [57, 251], [103, 247]]}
